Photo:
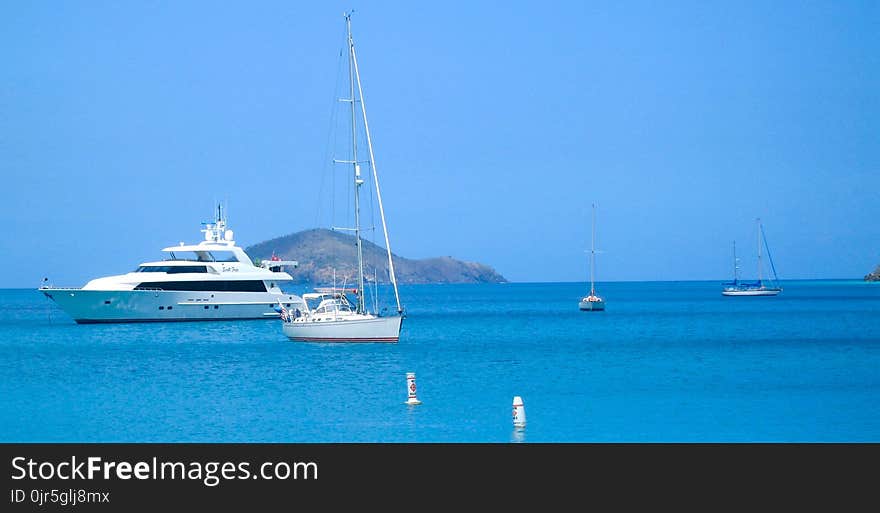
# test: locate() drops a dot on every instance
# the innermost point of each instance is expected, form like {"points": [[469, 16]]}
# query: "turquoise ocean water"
{"points": [[667, 362]]}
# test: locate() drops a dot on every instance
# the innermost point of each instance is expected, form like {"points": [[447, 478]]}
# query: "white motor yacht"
{"points": [[209, 281]]}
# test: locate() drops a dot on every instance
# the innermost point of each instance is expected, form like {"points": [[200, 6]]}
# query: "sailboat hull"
{"points": [[752, 292], [109, 306], [374, 329], [592, 306]]}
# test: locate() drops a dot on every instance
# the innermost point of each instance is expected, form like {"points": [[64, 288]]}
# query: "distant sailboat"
{"points": [[592, 302], [754, 288]]}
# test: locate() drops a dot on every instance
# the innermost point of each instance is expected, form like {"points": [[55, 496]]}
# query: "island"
{"points": [[873, 276], [321, 252]]}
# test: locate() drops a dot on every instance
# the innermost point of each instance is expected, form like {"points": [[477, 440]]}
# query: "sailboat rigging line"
{"points": [[326, 156], [372, 213], [373, 166], [770, 258]]}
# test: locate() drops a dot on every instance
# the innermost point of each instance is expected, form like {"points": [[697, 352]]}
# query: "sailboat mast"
{"points": [[373, 165], [735, 266], [758, 234], [361, 304], [593, 253]]}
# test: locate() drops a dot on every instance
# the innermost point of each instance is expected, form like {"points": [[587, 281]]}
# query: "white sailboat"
{"points": [[755, 288], [329, 315], [592, 302]]}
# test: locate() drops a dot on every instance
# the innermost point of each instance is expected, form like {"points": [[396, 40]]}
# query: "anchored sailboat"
{"points": [[592, 302], [329, 313], [755, 288]]}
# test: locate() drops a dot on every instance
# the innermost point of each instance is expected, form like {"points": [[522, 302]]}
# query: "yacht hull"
{"points": [[592, 306], [108, 306], [377, 329], [755, 292]]}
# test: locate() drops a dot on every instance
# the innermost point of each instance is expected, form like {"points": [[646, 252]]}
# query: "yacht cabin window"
{"points": [[333, 305], [172, 269], [203, 256], [205, 285], [217, 256]]}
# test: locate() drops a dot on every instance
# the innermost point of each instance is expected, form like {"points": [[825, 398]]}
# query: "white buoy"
{"points": [[411, 389], [519, 412]]}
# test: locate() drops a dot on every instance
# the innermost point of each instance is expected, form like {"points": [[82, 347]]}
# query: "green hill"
{"points": [[320, 251]]}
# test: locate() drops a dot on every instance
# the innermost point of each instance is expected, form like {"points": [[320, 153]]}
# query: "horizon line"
{"points": [[860, 280]]}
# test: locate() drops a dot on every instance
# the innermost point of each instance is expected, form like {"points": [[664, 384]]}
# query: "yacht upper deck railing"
{"points": [[80, 288]]}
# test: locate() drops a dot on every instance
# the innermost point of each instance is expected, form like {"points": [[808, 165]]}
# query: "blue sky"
{"points": [[495, 126]]}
